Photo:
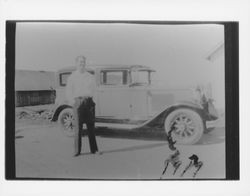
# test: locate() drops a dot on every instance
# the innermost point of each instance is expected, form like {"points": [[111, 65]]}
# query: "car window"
{"points": [[140, 77], [114, 77], [63, 77]]}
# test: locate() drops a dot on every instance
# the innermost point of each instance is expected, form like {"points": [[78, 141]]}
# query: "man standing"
{"points": [[79, 93]]}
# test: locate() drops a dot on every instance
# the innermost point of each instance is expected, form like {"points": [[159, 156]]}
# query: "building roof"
{"points": [[109, 67], [27, 80], [216, 52]]}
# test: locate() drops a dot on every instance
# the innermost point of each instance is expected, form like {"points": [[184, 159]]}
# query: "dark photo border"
{"points": [[231, 36]]}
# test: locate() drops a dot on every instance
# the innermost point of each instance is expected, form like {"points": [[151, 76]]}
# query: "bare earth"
{"points": [[43, 151]]}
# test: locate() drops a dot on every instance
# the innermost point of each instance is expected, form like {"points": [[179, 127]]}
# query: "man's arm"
{"points": [[93, 87], [69, 91]]}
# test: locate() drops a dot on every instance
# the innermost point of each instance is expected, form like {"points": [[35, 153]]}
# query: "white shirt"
{"points": [[79, 85]]}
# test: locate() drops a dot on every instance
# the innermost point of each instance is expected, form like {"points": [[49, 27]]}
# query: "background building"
{"points": [[34, 88]]}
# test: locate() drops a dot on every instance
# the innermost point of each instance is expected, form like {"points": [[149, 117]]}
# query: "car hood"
{"points": [[160, 98]]}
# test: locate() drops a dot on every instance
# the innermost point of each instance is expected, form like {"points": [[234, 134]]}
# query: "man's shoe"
{"points": [[97, 153], [77, 154]]}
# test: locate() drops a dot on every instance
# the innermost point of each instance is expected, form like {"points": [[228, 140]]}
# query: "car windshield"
{"points": [[140, 77]]}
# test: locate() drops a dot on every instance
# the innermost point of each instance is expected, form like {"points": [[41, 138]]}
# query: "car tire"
{"points": [[187, 125], [65, 121]]}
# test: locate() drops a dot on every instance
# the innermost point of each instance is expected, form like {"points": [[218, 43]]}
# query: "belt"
{"points": [[84, 97]]}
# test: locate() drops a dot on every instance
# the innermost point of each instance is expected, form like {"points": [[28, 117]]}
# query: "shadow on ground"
{"points": [[212, 135], [132, 148]]}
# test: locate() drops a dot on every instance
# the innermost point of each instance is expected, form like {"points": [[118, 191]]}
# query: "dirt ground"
{"points": [[43, 151]]}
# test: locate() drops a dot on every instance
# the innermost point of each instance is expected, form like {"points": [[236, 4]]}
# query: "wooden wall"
{"points": [[30, 98]]}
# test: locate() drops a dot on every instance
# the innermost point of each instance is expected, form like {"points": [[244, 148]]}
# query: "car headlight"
{"points": [[200, 95]]}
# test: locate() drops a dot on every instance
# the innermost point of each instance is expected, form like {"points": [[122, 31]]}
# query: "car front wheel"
{"points": [[65, 121], [186, 125]]}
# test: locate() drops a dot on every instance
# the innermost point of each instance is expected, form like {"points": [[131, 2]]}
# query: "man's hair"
{"points": [[80, 56]]}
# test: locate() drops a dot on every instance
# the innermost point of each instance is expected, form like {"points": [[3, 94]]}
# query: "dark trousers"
{"points": [[84, 112]]}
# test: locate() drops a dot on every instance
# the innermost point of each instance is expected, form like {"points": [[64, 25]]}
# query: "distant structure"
{"points": [[216, 52], [216, 59], [34, 88]]}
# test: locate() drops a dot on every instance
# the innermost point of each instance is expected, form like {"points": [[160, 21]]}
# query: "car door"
{"points": [[114, 94], [139, 103], [139, 88]]}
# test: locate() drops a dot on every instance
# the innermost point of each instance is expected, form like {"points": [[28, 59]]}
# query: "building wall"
{"points": [[31, 98]]}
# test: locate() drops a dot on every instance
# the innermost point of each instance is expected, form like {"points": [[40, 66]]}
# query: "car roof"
{"points": [[110, 67]]}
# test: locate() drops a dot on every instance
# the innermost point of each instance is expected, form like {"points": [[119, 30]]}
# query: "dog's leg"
{"points": [[198, 168], [189, 165], [165, 169], [177, 166]]}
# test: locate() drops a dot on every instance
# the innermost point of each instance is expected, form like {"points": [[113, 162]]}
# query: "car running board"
{"points": [[117, 126]]}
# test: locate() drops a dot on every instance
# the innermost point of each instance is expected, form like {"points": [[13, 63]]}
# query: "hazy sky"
{"points": [[177, 52]]}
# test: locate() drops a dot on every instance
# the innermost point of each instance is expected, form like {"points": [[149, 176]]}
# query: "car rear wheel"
{"points": [[187, 126], [65, 121]]}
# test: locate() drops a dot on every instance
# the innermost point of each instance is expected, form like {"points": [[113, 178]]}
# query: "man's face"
{"points": [[81, 64]]}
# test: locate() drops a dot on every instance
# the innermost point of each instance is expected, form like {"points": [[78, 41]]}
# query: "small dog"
{"points": [[194, 162], [171, 143], [174, 160]]}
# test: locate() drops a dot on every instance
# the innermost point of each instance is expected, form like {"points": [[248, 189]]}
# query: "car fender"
{"points": [[159, 119], [57, 110]]}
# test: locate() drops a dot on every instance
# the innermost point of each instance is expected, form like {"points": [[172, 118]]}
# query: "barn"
{"points": [[34, 88]]}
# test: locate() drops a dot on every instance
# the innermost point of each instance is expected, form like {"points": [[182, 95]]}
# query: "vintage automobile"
{"points": [[127, 99]]}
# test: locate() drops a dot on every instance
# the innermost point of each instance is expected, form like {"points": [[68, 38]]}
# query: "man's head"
{"points": [[80, 63]]}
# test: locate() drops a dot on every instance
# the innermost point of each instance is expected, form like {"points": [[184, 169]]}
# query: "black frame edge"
{"points": [[10, 166], [232, 99]]}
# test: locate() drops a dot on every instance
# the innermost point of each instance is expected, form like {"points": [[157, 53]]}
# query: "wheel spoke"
{"points": [[67, 122], [177, 126], [189, 132], [191, 127], [183, 117], [177, 120], [178, 131], [188, 121]]}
